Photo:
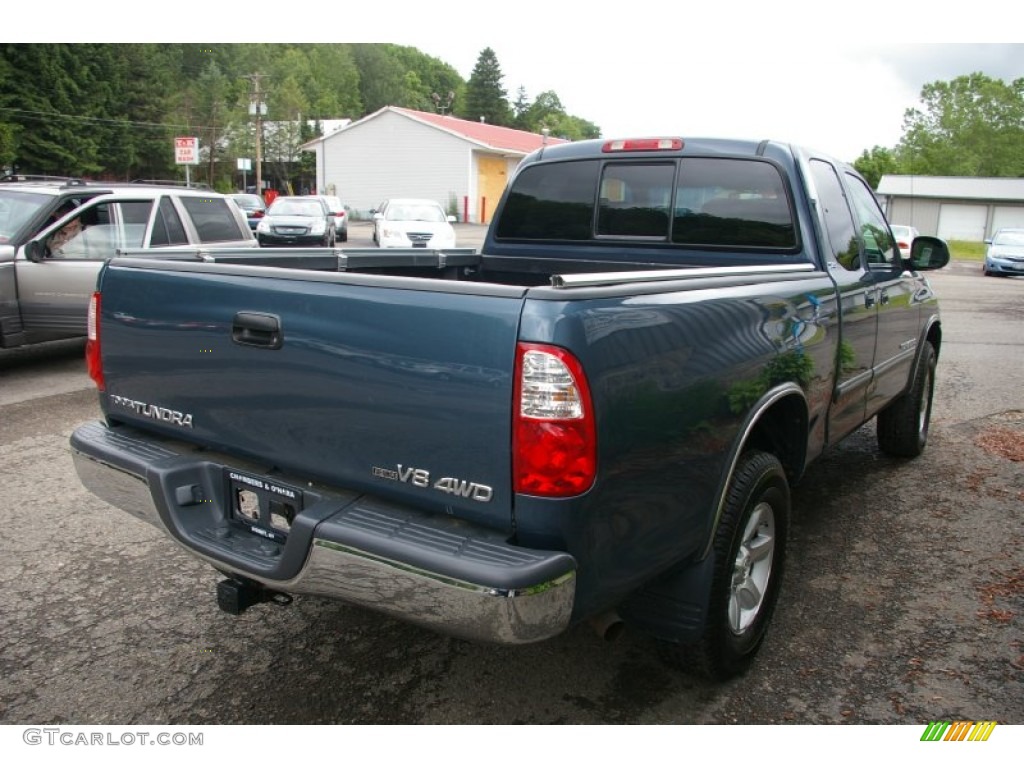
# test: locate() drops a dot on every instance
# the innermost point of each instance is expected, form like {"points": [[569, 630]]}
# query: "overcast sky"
{"points": [[836, 77], [840, 99], [753, 71]]}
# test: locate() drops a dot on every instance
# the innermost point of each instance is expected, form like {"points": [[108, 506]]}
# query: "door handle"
{"points": [[256, 329]]}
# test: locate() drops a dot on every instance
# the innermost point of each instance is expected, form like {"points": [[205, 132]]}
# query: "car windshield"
{"points": [[296, 208], [248, 201], [1009, 238], [413, 212], [17, 209], [899, 231]]}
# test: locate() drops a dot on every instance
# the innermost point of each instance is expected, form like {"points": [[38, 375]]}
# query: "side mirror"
{"points": [[927, 253], [35, 251]]}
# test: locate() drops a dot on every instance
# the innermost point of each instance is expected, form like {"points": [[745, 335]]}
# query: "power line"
{"points": [[103, 120]]}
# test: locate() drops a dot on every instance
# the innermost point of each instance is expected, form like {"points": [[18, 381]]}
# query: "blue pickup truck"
{"points": [[597, 417]]}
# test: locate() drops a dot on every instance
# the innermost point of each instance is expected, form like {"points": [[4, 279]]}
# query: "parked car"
{"points": [[1005, 253], [55, 236], [340, 213], [412, 223], [904, 237], [295, 220], [252, 206]]}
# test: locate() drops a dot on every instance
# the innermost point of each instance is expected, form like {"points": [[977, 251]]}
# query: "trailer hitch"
{"points": [[235, 595]]}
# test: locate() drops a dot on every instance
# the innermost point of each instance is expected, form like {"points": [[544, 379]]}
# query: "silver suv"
{"points": [[54, 237]]}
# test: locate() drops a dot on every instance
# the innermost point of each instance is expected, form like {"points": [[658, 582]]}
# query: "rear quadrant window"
{"points": [[167, 226], [213, 219]]}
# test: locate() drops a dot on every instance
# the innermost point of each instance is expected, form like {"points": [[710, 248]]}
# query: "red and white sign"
{"points": [[186, 150]]}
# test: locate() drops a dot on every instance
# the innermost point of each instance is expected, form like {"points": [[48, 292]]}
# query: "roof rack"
{"points": [[171, 183], [18, 177]]}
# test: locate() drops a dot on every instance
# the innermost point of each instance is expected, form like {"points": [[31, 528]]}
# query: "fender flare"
{"points": [[769, 399]]}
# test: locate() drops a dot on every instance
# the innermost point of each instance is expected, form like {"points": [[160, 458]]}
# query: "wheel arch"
{"points": [[777, 424], [932, 334]]}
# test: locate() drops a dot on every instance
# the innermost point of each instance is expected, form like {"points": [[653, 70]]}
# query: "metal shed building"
{"points": [[397, 152], [953, 207]]}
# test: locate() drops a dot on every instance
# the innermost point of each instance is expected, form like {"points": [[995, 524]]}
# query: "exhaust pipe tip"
{"points": [[608, 626]]}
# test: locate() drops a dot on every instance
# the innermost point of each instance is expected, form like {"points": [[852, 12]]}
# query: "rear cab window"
{"points": [[695, 202]]}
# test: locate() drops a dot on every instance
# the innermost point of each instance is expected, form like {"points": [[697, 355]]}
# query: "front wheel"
{"points": [[749, 553], [903, 426]]}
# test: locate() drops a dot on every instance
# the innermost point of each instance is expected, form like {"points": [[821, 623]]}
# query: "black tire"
{"points": [[903, 426], [344, 236], [749, 554]]}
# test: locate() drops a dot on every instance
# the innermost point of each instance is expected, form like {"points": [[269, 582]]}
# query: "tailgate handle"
{"points": [[256, 329]]}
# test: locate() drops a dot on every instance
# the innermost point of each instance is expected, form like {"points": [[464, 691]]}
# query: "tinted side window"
{"points": [[725, 202], [879, 247], [551, 202], [212, 218], [167, 226], [842, 232]]}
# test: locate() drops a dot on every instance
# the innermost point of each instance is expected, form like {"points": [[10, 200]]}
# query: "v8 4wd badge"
{"points": [[421, 479]]}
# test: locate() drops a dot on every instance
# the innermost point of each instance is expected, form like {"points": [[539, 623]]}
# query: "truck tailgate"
{"points": [[389, 385]]}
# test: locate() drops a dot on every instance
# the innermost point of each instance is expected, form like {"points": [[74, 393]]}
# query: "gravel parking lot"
{"points": [[903, 601]]}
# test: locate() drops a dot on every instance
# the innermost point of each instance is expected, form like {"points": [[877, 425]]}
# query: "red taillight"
{"points": [[554, 440], [642, 145], [92, 343], [257, 214], [902, 245]]}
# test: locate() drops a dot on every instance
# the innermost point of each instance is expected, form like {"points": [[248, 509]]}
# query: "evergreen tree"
{"points": [[47, 95], [486, 98], [520, 108]]}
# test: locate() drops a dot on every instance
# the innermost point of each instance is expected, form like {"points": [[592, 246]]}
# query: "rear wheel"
{"points": [[903, 426], [749, 553]]}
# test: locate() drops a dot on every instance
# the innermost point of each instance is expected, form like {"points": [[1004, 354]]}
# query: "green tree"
{"points": [[48, 96], [486, 97], [210, 115], [520, 108], [546, 113], [875, 163], [334, 73], [970, 126], [285, 132], [381, 77]]}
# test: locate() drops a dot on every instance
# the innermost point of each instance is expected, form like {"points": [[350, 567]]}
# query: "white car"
{"points": [[340, 213], [412, 223], [904, 238]]}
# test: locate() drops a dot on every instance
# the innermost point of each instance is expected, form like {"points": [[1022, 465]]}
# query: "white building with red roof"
{"points": [[397, 152]]}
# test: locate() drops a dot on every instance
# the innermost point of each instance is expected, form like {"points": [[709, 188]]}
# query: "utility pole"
{"points": [[258, 108]]}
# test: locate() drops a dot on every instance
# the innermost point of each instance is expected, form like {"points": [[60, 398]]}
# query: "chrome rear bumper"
{"points": [[439, 573]]}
